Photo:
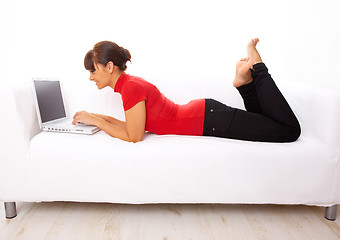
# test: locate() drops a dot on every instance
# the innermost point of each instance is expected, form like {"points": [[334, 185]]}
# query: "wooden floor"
{"points": [[67, 220]]}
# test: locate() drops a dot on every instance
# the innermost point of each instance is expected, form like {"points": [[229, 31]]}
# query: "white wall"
{"points": [[172, 40]]}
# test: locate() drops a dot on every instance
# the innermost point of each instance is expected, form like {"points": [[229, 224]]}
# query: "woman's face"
{"points": [[101, 76]]}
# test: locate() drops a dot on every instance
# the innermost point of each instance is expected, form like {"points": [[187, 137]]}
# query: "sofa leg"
{"points": [[10, 209], [330, 213]]}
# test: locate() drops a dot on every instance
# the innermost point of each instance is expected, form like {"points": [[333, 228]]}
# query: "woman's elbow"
{"points": [[135, 135], [135, 139]]}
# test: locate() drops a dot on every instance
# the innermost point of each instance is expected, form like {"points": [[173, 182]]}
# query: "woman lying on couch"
{"points": [[268, 118]]}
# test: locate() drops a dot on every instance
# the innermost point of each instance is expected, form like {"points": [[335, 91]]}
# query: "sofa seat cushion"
{"points": [[179, 169]]}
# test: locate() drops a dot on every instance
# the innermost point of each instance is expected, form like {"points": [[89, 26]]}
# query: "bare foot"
{"points": [[253, 54], [243, 74]]}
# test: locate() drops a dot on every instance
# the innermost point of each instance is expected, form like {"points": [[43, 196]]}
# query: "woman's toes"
{"points": [[245, 59], [253, 42]]}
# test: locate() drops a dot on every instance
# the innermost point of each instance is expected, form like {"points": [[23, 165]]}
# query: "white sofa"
{"points": [[41, 166]]}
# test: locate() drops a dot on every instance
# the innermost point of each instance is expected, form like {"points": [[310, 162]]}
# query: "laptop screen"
{"points": [[50, 101]]}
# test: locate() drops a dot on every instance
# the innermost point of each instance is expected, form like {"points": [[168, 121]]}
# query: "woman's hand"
{"points": [[85, 117]]}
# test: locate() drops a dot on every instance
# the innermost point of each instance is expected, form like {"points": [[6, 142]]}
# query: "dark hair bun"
{"points": [[126, 54]]}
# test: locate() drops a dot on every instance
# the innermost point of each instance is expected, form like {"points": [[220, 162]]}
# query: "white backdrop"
{"points": [[172, 40]]}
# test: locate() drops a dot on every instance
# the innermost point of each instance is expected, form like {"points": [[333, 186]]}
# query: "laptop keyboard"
{"points": [[66, 126]]}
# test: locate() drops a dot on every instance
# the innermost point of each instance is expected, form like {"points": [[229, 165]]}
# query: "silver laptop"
{"points": [[51, 111]]}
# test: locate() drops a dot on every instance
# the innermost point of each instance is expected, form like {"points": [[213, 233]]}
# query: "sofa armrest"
{"points": [[20, 114], [19, 124], [317, 110]]}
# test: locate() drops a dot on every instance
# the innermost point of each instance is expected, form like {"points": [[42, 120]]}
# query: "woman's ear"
{"points": [[110, 67]]}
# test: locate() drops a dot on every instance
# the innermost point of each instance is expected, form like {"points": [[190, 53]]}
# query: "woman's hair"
{"points": [[104, 52]]}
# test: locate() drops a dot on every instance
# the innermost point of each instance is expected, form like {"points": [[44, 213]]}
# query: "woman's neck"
{"points": [[115, 77]]}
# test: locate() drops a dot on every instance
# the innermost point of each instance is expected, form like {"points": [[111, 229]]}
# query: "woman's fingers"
{"points": [[76, 117], [75, 120], [81, 117]]}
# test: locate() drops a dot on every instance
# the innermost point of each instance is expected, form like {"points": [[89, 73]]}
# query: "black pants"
{"points": [[268, 118]]}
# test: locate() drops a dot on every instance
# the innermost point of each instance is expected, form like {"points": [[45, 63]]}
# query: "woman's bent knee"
{"points": [[294, 134]]}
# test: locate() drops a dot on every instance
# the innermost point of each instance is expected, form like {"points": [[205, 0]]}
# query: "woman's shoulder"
{"points": [[136, 81], [133, 78]]}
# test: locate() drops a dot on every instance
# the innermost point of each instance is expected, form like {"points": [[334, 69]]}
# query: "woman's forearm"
{"points": [[111, 120], [116, 129], [113, 130]]}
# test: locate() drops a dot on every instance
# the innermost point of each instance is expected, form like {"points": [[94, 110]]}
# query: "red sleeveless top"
{"points": [[162, 115]]}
